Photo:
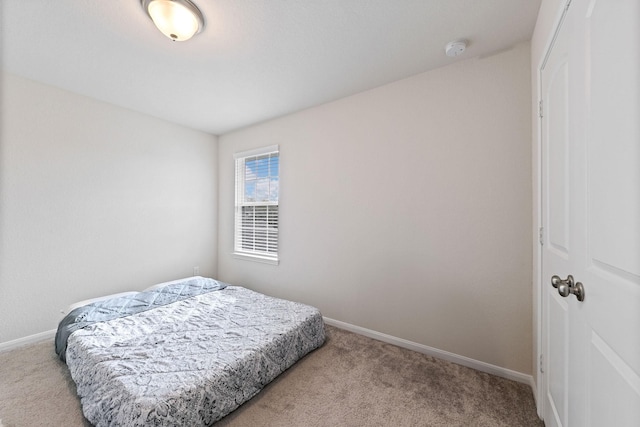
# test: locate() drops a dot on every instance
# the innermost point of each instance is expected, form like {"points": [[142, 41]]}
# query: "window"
{"points": [[256, 216]]}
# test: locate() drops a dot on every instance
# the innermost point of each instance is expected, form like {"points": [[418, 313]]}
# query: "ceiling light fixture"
{"points": [[177, 19]]}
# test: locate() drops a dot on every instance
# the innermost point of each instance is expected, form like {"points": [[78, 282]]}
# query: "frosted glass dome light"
{"points": [[179, 20]]}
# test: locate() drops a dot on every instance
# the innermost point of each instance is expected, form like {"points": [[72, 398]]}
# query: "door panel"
{"points": [[591, 207], [557, 351], [619, 405], [612, 140], [557, 256], [558, 155], [612, 220]]}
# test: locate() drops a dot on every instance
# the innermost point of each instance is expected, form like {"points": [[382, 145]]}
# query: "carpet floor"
{"points": [[351, 380]]}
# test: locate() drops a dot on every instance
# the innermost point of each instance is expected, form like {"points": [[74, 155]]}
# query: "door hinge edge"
{"points": [[540, 108]]}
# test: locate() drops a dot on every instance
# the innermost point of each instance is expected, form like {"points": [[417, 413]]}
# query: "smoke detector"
{"points": [[456, 48]]}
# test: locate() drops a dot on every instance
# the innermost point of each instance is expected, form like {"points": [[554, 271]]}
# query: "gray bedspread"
{"points": [[190, 362], [131, 304]]}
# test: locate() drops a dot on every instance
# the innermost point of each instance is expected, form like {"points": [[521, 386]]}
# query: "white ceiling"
{"points": [[256, 59]]}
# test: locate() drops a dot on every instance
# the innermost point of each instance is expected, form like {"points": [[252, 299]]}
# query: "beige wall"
{"points": [[407, 209], [95, 199]]}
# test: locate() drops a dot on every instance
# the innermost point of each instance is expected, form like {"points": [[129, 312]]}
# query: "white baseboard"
{"points": [[31, 339], [440, 354]]}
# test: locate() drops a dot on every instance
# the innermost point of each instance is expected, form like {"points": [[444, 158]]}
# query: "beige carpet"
{"points": [[350, 381]]}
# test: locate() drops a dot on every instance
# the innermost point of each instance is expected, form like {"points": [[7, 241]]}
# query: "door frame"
{"points": [[538, 280]]}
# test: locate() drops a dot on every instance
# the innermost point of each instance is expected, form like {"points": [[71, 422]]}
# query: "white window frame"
{"points": [[238, 252]]}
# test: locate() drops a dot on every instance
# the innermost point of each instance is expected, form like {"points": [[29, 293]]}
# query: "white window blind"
{"points": [[256, 216]]}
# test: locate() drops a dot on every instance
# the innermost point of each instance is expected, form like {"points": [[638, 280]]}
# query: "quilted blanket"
{"points": [[135, 302], [190, 362]]}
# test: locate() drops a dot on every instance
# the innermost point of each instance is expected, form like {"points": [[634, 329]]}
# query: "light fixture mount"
{"points": [[455, 48], [179, 20]]}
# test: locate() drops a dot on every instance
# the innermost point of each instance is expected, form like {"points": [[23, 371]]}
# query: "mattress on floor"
{"points": [[190, 362]]}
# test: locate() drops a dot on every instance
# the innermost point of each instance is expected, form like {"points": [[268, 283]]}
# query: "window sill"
{"points": [[255, 258]]}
